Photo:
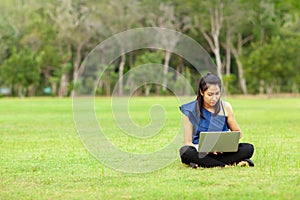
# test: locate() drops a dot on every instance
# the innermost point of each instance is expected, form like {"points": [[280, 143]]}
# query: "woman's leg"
{"points": [[189, 154], [245, 151]]}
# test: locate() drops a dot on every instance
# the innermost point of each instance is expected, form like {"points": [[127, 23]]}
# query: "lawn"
{"points": [[42, 156]]}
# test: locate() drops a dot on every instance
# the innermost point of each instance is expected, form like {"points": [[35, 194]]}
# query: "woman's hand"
{"points": [[215, 153]]}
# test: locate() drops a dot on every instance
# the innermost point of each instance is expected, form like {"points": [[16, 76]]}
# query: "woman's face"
{"points": [[212, 95]]}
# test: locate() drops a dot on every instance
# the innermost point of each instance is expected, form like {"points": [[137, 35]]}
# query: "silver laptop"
{"points": [[223, 141]]}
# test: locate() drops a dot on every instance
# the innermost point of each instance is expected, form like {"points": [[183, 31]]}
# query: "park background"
{"points": [[254, 44]]}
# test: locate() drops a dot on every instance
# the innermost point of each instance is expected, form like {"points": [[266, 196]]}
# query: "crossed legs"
{"points": [[190, 154]]}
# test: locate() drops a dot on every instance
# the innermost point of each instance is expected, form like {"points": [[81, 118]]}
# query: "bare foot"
{"points": [[194, 165]]}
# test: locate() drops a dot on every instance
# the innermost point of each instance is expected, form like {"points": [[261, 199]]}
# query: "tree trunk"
{"points": [[242, 79], [261, 87], [228, 53], [21, 92], [295, 89], [269, 89], [63, 86], [157, 87], [77, 65], [147, 89], [216, 16], [216, 20], [262, 37], [64, 82], [218, 60], [121, 71], [31, 91], [236, 53], [46, 72], [166, 69], [107, 86], [54, 88], [180, 67]]}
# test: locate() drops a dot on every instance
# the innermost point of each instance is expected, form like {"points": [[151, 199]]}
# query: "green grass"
{"points": [[42, 157]]}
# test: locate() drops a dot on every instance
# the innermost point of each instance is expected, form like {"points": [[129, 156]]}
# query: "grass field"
{"points": [[42, 156]]}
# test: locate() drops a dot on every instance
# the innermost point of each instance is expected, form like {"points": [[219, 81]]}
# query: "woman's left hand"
{"points": [[215, 153]]}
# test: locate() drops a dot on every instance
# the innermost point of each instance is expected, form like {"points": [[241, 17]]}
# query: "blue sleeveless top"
{"points": [[209, 123]]}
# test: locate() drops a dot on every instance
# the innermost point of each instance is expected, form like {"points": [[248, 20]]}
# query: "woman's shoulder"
{"points": [[190, 108], [227, 106], [189, 105]]}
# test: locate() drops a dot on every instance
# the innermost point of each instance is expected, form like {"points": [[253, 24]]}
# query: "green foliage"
{"points": [[7, 38], [150, 57], [229, 84], [62, 32], [275, 65], [181, 88], [144, 74], [21, 69]]}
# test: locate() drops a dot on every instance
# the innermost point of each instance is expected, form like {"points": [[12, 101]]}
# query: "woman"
{"points": [[209, 113]]}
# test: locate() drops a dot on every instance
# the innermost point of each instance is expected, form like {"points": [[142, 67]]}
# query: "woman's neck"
{"points": [[208, 107]]}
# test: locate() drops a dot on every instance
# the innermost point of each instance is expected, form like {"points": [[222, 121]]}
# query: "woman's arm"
{"points": [[231, 121], [188, 131]]}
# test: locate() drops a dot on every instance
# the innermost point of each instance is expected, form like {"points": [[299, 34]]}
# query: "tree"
{"points": [[274, 66], [143, 74], [265, 19], [7, 37], [75, 31], [120, 16], [22, 71], [26, 29], [210, 29], [237, 35], [167, 17], [58, 34]]}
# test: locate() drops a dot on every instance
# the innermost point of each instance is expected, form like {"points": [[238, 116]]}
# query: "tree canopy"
{"points": [[254, 44]]}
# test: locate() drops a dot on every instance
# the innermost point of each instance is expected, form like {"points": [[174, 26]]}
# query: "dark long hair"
{"points": [[212, 79]]}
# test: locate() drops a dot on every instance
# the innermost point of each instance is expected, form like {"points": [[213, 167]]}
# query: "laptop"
{"points": [[222, 141]]}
